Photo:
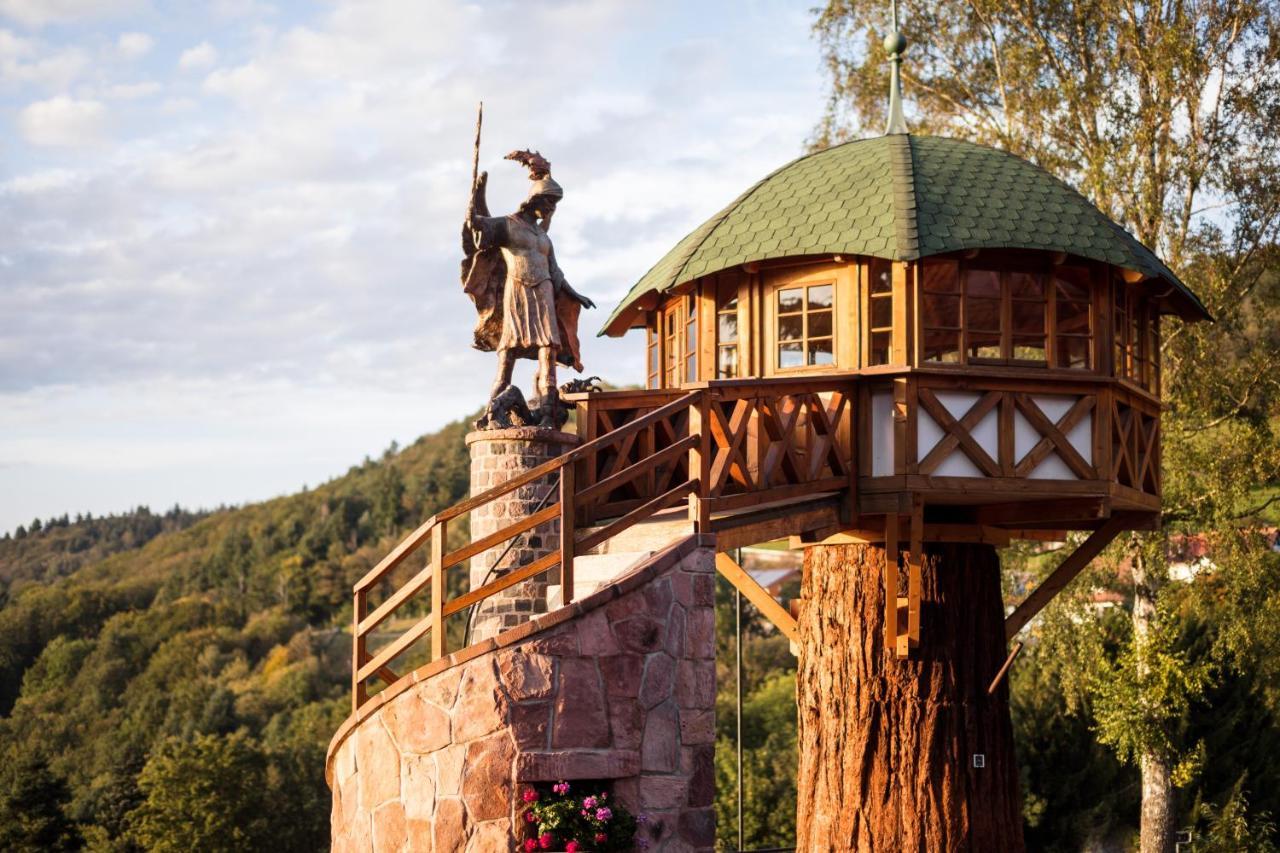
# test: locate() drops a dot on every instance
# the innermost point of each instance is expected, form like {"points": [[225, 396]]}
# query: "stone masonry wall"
{"points": [[497, 456], [618, 686]]}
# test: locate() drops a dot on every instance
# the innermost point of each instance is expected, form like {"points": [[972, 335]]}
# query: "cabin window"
{"points": [[1137, 338], [880, 311], [671, 345], [727, 332], [1073, 323], [691, 338], [940, 311], [653, 355], [804, 326]]}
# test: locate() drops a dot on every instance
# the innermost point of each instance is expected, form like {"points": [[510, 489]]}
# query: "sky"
{"points": [[229, 230]]}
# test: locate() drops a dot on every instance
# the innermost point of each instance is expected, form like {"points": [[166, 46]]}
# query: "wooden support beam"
{"points": [[568, 532], [891, 582], [1004, 670], [1031, 513], [759, 596], [1064, 574], [915, 569], [437, 591], [868, 533]]}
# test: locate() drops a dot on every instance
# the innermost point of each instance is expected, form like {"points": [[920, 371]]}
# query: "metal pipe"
{"points": [[737, 619]]}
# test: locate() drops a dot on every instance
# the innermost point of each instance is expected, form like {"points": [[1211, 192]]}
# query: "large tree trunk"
{"points": [[1157, 772], [886, 745]]}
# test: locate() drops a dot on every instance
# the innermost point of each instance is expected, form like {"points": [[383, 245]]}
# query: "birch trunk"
{"points": [[1157, 775], [886, 745]]}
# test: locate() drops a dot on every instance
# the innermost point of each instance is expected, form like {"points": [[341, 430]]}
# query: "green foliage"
{"points": [[33, 803], [206, 794], [182, 671], [768, 729]]}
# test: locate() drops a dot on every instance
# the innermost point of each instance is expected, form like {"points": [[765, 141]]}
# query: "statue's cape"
{"points": [[484, 273]]}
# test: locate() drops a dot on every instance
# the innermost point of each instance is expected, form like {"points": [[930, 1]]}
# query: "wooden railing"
{"points": [[431, 579], [732, 445]]}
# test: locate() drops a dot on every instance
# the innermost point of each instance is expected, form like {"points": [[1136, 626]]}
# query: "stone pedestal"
{"points": [[497, 456]]}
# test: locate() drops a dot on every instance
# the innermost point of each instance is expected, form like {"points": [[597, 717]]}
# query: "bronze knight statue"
{"points": [[526, 308]]}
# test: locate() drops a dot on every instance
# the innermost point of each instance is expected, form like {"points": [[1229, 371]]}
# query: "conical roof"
{"points": [[902, 197]]}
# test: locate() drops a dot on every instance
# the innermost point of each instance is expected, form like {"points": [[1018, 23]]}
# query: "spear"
{"points": [[475, 158]]}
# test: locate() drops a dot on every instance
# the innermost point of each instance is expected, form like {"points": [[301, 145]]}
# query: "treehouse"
{"points": [[897, 352]]}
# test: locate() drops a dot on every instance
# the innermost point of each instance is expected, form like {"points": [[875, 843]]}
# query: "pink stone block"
{"points": [[415, 724], [419, 836], [481, 706], [659, 680], [626, 723], [696, 683], [595, 636], [622, 674], [704, 590], [660, 751], [378, 765], [389, 827], [698, 764], [530, 723], [418, 786], [697, 726], [663, 792], [641, 634], [526, 676], [449, 771], [486, 777], [577, 764], [581, 717], [491, 836], [449, 826], [701, 630], [677, 632]]}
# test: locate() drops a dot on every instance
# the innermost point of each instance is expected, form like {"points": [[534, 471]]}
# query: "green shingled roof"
{"points": [[901, 197]]}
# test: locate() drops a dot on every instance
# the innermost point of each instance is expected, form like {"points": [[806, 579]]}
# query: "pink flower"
{"points": [[601, 838], [530, 844], [571, 847], [589, 803], [545, 841], [530, 817], [561, 788], [530, 795], [604, 813]]}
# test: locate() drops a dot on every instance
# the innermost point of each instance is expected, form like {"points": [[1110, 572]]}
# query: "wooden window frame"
{"points": [[689, 338], [727, 302], [869, 300], [823, 278], [653, 347]]}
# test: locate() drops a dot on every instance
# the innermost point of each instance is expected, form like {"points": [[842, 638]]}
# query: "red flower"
{"points": [[601, 838], [530, 795], [530, 817], [545, 841], [530, 844], [572, 847]]}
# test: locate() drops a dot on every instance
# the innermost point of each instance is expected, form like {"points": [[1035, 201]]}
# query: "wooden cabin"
{"points": [[1004, 335]]}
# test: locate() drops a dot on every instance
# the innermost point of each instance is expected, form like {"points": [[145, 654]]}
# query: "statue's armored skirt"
{"points": [[528, 297]]}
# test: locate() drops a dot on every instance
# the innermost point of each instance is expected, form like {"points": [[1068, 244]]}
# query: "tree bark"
{"points": [[886, 745], [1156, 830]]}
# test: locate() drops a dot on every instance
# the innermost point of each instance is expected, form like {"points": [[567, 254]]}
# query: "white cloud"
{"points": [[133, 91], [202, 55], [134, 45], [26, 61], [62, 121], [38, 13]]}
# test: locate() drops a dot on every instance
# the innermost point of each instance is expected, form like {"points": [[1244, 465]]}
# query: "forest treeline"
{"points": [[170, 681]]}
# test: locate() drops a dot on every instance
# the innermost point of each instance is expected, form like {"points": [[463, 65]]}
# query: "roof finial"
{"points": [[895, 45]]}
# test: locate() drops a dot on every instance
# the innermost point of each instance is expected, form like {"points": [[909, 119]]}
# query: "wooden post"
{"points": [[700, 462], [359, 692], [437, 589], [915, 563], [891, 582], [568, 523]]}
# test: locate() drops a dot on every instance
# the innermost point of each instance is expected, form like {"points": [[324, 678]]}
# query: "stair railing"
{"points": [[694, 443]]}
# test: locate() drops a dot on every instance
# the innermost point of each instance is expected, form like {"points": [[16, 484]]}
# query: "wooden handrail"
{"points": [[626, 475], [406, 547]]}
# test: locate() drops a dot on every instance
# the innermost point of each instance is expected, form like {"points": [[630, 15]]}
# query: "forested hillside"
{"points": [[171, 682]]}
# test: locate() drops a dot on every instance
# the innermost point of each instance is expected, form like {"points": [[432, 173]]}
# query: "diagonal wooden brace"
{"points": [[759, 596], [1065, 573]]}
